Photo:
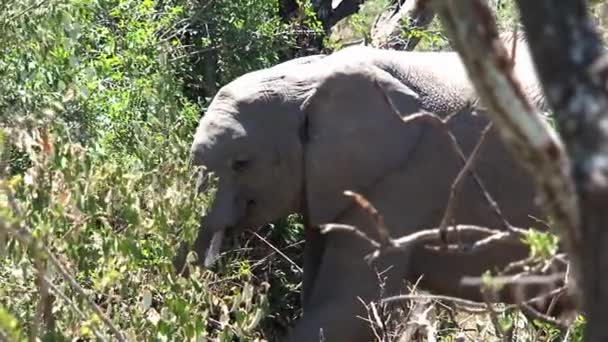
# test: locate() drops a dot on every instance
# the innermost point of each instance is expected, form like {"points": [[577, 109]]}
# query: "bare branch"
{"points": [[515, 279], [456, 300], [488, 299], [457, 184], [279, 252], [383, 233], [531, 312], [326, 228]]}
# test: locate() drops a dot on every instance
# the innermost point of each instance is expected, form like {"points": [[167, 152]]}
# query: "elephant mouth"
{"points": [[211, 246]]}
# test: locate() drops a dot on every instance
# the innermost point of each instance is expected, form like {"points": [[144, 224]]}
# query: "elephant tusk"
{"points": [[214, 249]]}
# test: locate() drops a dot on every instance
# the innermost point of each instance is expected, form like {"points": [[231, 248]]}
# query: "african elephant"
{"points": [[291, 139]]}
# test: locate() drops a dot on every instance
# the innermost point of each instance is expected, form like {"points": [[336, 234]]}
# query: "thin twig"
{"points": [[458, 182], [330, 227], [456, 300], [279, 252], [488, 197], [530, 311], [369, 208], [485, 294], [25, 11]]}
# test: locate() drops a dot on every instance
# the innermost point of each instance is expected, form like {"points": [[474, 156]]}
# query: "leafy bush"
{"points": [[96, 176]]}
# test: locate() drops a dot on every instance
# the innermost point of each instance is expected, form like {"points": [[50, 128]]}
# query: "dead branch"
{"points": [[458, 182], [531, 312], [488, 299], [456, 300], [279, 252], [515, 279], [425, 235], [330, 227], [383, 234]]}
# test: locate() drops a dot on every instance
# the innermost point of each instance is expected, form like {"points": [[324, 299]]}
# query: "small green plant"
{"points": [[543, 245]]}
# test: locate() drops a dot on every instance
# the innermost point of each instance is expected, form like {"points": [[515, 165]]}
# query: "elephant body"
{"points": [[294, 137]]}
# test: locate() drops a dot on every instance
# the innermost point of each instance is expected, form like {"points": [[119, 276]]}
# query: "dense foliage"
{"points": [[96, 131], [98, 103]]}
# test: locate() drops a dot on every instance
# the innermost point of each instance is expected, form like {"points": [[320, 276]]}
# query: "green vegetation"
{"points": [[96, 131], [98, 103]]}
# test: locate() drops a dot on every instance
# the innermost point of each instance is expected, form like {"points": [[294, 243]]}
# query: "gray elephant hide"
{"points": [[293, 137]]}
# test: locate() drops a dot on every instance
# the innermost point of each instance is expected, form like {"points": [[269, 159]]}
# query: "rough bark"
{"points": [[472, 30], [573, 69]]}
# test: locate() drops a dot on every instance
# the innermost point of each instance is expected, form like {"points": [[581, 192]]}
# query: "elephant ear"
{"points": [[355, 135]]}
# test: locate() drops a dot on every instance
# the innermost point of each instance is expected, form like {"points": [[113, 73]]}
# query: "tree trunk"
{"points": [[573, 68]]}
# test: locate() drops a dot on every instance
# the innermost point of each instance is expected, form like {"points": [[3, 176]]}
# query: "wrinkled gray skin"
{"points": [[293, 137]]}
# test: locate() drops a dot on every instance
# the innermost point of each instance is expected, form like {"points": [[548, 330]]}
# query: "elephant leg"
{"points": [[313, 253], [344, 283]]}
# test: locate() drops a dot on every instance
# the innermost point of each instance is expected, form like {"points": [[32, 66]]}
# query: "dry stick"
{"points": [[278, 251], [456, 300], [525, 280], [530, 311], [489, 199], [457, 183], [476, 307], [329, 227], [485, 294], [425, 235], [369, 208]]}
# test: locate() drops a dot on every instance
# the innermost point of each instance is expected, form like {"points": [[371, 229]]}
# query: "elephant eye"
{"points": [[240, 165]]}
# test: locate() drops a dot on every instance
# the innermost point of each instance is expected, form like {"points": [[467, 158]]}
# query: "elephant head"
{"points": [[249, 140], [256, 139]]}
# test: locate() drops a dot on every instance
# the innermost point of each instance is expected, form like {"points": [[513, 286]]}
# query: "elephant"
{"points": [[292, 138]]}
